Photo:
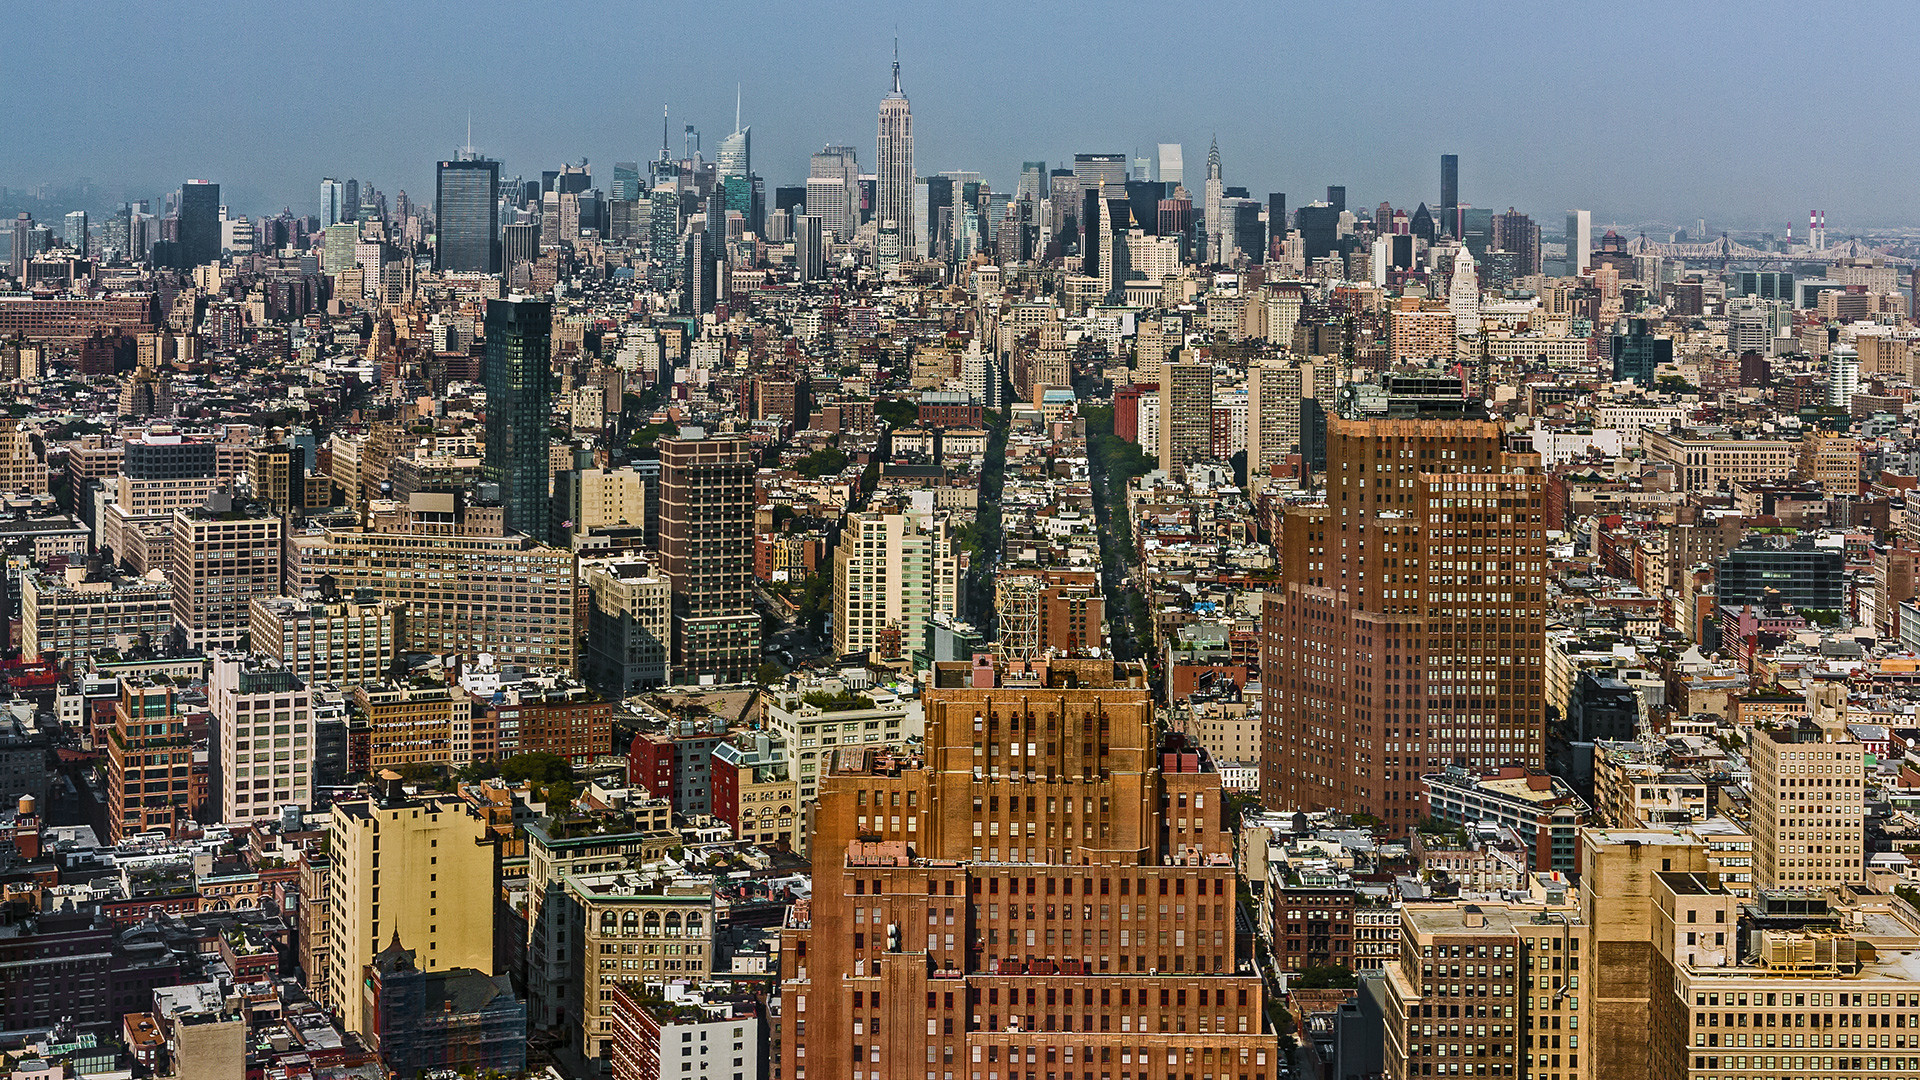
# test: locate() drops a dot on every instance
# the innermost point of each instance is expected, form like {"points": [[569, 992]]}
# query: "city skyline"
{"points": [[1539, 138]]}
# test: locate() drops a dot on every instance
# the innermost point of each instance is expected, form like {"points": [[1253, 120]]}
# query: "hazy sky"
{"points": [[1747, 114]]}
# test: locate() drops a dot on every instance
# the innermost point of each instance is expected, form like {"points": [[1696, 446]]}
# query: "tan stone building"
{"points": [[221, 559], [1487, 990], [411, 725], [1709, 460], [342, 642], [22, 471], [506, 596], [1832, 461], [1809, 807], [421, 871], [633, 926]]}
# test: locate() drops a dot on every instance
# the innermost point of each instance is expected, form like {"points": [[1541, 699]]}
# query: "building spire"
{"points": [[736, 108], [896, 63]]}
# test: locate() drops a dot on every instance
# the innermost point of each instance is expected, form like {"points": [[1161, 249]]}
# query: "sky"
{"points": [[1745, 114]]}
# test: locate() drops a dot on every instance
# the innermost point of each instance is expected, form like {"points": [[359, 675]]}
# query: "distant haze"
{"points": [[1747, 115]]}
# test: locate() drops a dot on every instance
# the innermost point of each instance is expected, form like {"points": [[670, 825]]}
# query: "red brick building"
{"points": [[549, 713], [650, 764]]}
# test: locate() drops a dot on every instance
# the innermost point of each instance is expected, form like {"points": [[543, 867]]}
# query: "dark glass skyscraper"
{"points": [[940, 216], [1249, 235], [520, 384], [1449, 193], [626, 182], [199, 223], [1319, 229], [1638, 353], [467, 203]]}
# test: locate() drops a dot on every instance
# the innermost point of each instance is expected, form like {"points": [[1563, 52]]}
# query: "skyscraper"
{"points": [[1276, 224], [1093, 169], [146, 789], [1515, 232], [402, 837], [22, 242], [893, 163], [1579, 241], [706, 555], [220, 560], [626, 182], [248, 696], [734, 174], [1638, 352], [467, 206], [837, 204], [1216, 223], [1249, 235], [332, 197], [76, 232], [698, 265], [736, 150], [939, 217], [1788, 811], [808, 257], [663, 232], [199, 223], [1186, 413], [1843, 375], [520, 243], [1171, 170], [1463, 295], [1275, 391], [1410, 606], [520, 386], [997, 892], [1449, 194], [892, 573]]}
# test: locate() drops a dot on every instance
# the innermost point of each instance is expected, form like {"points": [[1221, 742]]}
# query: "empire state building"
{"points": [[893, 165]]}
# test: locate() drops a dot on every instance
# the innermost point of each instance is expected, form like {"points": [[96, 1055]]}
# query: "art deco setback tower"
{"points": [[1214, 192], [1048, 891], [893, 163], [519, 379], [1407, 635]]}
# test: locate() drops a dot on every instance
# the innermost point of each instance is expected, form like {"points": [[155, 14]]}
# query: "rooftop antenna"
{"points": [[665, 154], [736, 108], [896, 59]]}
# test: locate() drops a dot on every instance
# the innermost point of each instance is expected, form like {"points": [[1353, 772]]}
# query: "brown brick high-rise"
{"points": [[1408, 633], [706, 555], [1044, 893]]}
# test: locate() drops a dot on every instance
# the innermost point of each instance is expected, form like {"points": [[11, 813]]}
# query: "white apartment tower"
{"points": [[892, 572], [1463, 295], [265, 747]]}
